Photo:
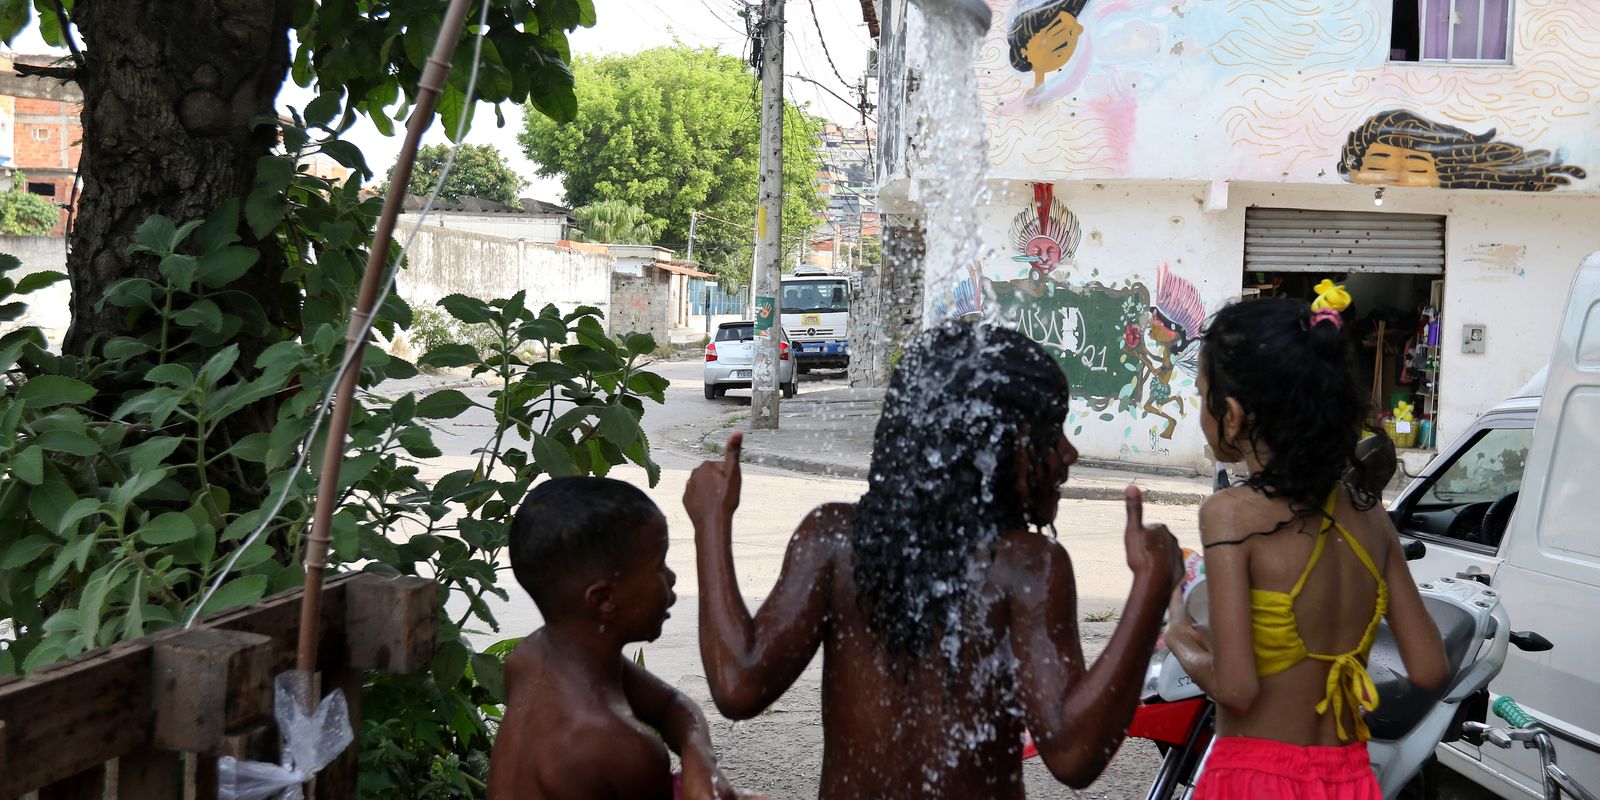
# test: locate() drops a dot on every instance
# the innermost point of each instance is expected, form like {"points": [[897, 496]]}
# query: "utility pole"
{"points": [[764, 392], [694, 220]]}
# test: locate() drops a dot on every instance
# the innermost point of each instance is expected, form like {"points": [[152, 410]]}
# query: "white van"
{"points": [[1515, 503], [815, 310]]}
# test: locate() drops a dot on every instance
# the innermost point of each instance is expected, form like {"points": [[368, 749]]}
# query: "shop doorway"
{"points": [[1393, 267]]}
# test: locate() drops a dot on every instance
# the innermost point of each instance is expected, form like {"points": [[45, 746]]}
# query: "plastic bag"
{"points": [[310, 742]]}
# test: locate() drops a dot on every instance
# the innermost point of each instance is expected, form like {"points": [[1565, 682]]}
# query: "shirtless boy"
{"points": [[582, 721]]}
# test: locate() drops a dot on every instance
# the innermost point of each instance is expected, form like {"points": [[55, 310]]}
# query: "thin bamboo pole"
{"points": [[316, 561]]}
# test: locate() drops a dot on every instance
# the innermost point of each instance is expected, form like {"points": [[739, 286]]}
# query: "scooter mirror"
{"points": [[1414, 550], [1530, 642]]}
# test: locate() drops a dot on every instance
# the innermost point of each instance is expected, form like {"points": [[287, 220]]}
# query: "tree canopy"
{"points": [[479, 170], [616, 222], [675, 129]]}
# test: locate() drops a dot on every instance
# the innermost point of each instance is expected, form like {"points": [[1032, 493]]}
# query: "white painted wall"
{"points": [[532, 227], [50, 308], [445, 261], [1509, 260]]}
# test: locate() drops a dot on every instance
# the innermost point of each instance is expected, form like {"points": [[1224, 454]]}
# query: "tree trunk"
{"points": [[170, 89]]}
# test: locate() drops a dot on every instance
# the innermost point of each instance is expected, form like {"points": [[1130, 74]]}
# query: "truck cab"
{"points": [[1513, 503], [815, 310]]}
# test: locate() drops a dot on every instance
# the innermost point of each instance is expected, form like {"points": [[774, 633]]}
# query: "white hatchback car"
{"points": [[731, 357]]}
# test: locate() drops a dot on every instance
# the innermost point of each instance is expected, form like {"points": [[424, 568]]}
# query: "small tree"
{"points": [[617, 222], [479, 171], [23, 213]]}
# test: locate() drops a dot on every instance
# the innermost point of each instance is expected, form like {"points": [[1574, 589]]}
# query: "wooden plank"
{"points": [[149, 774], [278, 618], [391, 624], [207, 682], [89, 784], [74, 716], [200, 777], [337, 781]]}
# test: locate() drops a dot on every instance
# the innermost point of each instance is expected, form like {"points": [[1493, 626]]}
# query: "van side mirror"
{"points": [[1414, 550], [1530, 642]]}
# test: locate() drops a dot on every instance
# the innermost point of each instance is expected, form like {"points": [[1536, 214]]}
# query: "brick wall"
{"points": [[48, 136], [641, 304], [886, 310]]}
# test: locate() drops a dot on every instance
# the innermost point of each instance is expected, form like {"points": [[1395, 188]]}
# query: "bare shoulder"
{"points": [[828, 525], [1029, 558], [1233, 515]]}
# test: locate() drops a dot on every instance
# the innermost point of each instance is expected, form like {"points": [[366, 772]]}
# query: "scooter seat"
{"points": [[1401, 704]]}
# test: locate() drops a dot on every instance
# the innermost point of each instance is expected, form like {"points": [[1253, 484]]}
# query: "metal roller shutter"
{"points": [[1293, 240]]}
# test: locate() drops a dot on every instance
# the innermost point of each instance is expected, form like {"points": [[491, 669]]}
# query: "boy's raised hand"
{"points": [[1152, 549], [713, 490]]}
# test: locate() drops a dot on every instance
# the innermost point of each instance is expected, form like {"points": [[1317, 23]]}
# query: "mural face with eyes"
{"points": [[1392, 165], [1043, 36]]}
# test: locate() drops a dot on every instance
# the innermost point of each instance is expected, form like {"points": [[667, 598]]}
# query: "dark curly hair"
{"points": [[1302, 405], [1029, 21], [943, 483]]}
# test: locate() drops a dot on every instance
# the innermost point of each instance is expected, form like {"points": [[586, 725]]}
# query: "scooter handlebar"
{"points": [[1508, 710]]}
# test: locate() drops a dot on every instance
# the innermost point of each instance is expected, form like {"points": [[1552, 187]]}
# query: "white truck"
{"points": [[1515, 503], [814, 307]]}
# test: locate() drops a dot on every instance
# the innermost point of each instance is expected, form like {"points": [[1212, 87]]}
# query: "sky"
{"points": [[627, 26]]}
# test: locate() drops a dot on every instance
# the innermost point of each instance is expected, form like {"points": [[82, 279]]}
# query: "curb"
{"points": [[849, 471]]}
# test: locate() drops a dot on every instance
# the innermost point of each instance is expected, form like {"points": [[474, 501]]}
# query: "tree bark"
{"points": [[170, 91]]}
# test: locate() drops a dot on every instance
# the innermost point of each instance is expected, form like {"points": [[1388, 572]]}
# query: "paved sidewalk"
{"points": [[830, 433]]}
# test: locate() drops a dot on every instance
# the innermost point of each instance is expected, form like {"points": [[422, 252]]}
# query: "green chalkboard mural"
{"points": [[1124, 351]]}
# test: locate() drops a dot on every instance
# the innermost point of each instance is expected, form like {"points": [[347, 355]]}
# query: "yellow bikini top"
{"points": [[1278, 645]]}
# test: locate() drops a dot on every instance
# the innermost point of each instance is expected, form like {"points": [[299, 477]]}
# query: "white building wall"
{"points": [[1509, 260], [444, 261], [511, 226]]}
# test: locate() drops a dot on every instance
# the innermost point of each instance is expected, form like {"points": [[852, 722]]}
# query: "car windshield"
{"points": [[736, 333], [1489, 470], [815, 297]]}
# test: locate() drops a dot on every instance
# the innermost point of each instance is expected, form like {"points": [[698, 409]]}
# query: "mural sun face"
{"points": [[1050, 49], [1391, 165]]}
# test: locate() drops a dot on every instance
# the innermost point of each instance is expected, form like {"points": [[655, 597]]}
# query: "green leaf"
{"points": [[449, 356], [224, 265], [470, 310], [237, 592], [218, 366], [54, 390], [203, 314], [418, 441], [154, 235], [252, 448], [175, 375], [123, 348], [38, 280], [619, 426], [137, 484], [452, 104], [346, 154], [151, 452], [449, 663], [639, 453], [321, 111], [49, 503], [220, 229], [552, 457], [180, 269], [83, 509], [264, 209], [446, 404], [169, 528], [23, 553], [649, 385], [274, 173], [489, 672], [639, 344], [28, 465], [72, 442]]}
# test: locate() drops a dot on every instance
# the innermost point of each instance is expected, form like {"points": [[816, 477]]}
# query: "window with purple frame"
{"points": [[1451, 30]]}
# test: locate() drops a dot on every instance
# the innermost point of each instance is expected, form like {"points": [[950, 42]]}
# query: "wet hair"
{"points": [[575, 529], [1464, 160], [1297, 386], [1029, 21], [943, 483]]}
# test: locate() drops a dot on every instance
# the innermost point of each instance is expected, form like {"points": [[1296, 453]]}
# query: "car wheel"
{"points": [[720, 391], [712, 393], [789, 390], [803, 369]]}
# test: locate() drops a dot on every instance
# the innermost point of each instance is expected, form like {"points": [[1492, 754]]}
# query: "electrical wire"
{"points": [[824, 42], [353, 353]]}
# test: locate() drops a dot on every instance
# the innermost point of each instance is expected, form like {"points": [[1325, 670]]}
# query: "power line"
{"points": [[724, 22], [824, 42], [836, 95]]}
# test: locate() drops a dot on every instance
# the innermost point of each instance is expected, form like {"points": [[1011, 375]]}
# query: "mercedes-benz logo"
{"points": [[811, 331]]}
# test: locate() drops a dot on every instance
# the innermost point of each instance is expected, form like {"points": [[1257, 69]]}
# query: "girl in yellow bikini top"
{"points": [[1278, 645]]}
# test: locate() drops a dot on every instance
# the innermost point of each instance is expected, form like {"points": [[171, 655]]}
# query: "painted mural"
{"points": [[1400, 148], [1045, 235], [1267, 89], [1127, 350]]}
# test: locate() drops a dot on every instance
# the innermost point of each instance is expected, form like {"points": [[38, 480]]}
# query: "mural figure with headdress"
{"points": [[1401, 148], [1045, 235], [1166, 346]]}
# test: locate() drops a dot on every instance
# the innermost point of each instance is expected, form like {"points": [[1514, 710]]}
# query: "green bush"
{"points": [[23, 213]]}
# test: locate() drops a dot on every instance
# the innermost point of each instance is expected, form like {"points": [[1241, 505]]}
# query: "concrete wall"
{"points": [[444, 261], [511, 226], [640, 305], [1510, 258], [51, 308], [1267, 90], [886, 308]]}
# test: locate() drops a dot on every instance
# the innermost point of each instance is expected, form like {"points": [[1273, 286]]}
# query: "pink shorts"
{"points": [[1242, 768]]}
